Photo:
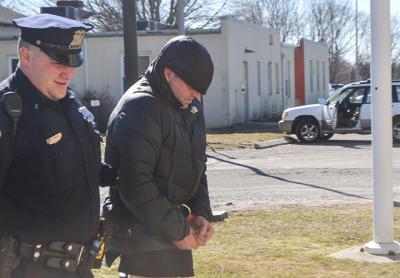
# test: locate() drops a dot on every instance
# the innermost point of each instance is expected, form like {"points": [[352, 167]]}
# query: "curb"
{"points": [[276, 142], [270, 143]]}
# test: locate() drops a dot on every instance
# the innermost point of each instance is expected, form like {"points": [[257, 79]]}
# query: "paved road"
{"points": [[338, 171]]}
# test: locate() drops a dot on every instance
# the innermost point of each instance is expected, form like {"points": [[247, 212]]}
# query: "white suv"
{"points": [[348, 111]]}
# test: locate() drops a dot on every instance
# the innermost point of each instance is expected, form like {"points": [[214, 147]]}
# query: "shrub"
{"points": [[102, 112]]}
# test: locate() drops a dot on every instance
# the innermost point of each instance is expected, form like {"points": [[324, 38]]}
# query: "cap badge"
{"points": [[54, 139], [193, 109], [77, 39]]}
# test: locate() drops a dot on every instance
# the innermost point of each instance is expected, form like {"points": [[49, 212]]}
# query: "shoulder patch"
{"points": [[87, 115]]}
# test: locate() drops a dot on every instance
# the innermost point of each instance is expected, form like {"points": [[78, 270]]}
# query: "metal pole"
{"points": [[383, 242], [180, 17], [130, 43], [356, 74]]}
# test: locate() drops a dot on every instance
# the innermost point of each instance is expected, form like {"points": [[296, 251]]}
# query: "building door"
{"points": [[245, 91]]}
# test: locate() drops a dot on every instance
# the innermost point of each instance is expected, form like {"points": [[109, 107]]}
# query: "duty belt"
{"points": [[68, 256]]}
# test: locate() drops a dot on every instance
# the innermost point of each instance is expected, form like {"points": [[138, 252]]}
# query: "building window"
{"points": [[311, 77], [271, 39], [318, 81], [323, 77], [277, 77], [12, 64], [269, 72], [259, 77], [143, 62]]}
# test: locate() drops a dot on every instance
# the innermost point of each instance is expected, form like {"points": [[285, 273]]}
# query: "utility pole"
{"points": [[383, 242], [130, 43], [180, 17], [356, 73]]}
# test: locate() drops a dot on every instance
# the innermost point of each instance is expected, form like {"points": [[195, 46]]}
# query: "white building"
{"points": [[312, 72], [254, 76]]}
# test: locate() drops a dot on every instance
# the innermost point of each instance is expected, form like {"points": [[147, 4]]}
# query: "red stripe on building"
{"points": [[299, 74]]}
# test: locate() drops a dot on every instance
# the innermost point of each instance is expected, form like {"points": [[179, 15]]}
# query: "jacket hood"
{"points": [[188, 59]]}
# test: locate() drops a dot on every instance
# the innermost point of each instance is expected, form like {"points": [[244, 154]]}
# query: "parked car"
{"points": [[333, 88], [347, 111]]}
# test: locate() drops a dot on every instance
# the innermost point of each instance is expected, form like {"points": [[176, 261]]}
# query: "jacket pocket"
{"points": [[141, 242]]}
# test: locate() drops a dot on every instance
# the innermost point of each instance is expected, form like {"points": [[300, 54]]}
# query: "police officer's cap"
{"points": [[59, 37]]}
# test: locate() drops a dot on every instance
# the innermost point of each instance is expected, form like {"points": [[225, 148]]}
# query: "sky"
{"points": [[364, 5]]}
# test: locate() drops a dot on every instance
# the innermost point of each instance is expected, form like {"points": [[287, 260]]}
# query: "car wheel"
{"points": [[307, 131], [325, 136], [396, 130]]}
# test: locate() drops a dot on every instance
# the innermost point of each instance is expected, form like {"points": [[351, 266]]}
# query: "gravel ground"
{"points": [[338, 171]]}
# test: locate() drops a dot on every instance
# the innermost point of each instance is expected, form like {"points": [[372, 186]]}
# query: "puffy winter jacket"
{"points": [[159, 150]]}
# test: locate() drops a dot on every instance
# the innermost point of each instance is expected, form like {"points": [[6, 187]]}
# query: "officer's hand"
{"points": [[204, 230], [189, 242]]}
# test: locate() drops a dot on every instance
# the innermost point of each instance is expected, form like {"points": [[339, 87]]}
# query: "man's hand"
{"points": [[189, 242], [204, 230]]}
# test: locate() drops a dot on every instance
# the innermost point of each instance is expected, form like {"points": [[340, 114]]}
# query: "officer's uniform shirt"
{"points": [[50, 191]]}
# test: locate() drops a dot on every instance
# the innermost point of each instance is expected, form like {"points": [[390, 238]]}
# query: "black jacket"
{"points": [[159, 150], [48, 187]]}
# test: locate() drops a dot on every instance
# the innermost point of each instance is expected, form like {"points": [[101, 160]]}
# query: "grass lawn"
{"points": [[239, 136], [289, 242], [239, 140]]}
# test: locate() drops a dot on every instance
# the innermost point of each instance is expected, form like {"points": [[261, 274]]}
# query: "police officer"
{"points": [[50, 156]]}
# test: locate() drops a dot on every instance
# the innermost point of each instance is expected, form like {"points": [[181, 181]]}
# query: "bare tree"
{"points": [[202, 13], [150, 10], [27, 7], [282, 15], [395, 46], [365, 49], [108, 13], [344, 71], [250, 11], [364, 36], [331, 22]]}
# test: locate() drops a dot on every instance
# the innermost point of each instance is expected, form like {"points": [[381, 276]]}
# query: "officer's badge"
{"points": [[77, 39], [54, 139], [194, 110]]}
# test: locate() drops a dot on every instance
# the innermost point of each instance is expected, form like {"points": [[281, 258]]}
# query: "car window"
{"points": [[368, 99], [396, 93], [357, 96], [339, 95]]}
